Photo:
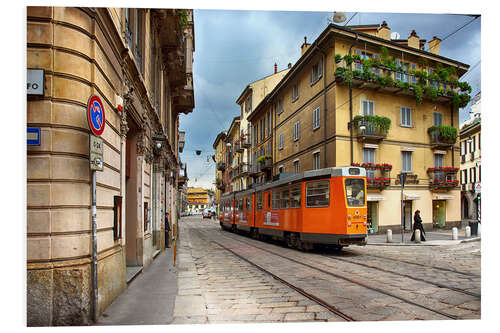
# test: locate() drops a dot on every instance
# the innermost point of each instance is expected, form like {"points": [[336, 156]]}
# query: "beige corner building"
{"points": [[356, 96], [139, 63]]}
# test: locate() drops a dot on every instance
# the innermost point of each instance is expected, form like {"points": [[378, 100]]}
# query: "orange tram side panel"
{"points": [[326, 206]]}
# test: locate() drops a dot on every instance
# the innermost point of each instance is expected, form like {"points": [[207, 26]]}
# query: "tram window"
{"points": [[249, 203], [240, 205], [268, 195], [285, 198], [355, 191], [276, 199], [318, 194], [295, 196], [259, 200]]}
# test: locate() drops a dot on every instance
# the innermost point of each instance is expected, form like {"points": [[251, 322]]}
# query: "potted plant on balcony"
{"points": [[386, 167], [355, 164], [369, 166], [386, 181], [338, 58]]}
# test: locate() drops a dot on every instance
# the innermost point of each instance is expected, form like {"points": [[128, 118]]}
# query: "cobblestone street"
{"points": [[229, 278]]}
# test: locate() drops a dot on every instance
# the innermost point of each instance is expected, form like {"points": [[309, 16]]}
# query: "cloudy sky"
{"points": [[234, 48]]}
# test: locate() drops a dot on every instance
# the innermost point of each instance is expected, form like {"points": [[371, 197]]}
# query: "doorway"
{"points": [[407, 214], [439, 213], [372, 216]]}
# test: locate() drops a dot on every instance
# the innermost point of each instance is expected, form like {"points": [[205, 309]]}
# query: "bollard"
{"points": [[389, 236], [454, 233], [417, 236], [467, 232], [479, 229]]}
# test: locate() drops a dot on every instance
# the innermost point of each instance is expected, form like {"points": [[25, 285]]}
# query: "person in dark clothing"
{"points": [[417, 224], [167, 230]]}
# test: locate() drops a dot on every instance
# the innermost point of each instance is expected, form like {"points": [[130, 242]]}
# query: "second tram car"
{"points": [[325, 206]]}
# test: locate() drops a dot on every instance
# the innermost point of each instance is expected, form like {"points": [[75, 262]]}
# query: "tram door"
{"points": [[407, 214]]}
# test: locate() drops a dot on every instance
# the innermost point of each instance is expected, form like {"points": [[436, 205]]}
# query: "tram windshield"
{"points": [[355, 191]]}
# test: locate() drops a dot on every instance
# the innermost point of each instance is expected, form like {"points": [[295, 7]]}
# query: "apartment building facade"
{"points": [[470, 163], [356, 97], [198, 199], [234, 157], [219, 146], [139, 63]]}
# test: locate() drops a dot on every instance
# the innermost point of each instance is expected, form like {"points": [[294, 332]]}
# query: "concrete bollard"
{"points": [[479, 230], [467, 232], [454, 233], [389, 236], [417, 236]]}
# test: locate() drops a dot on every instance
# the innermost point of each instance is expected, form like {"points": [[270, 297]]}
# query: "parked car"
{"points": [[207, 214]]}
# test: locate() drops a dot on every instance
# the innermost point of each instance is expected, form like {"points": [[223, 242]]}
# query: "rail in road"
{"points": [[314, 266]]}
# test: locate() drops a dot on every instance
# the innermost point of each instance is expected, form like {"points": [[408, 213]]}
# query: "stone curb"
{"points": [[429, 243]]}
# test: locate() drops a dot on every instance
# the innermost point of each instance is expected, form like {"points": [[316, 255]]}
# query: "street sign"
{"points": [[34, 84], [34, 136], [402, 179], [95, 149], [478, 188], [95, 115]]}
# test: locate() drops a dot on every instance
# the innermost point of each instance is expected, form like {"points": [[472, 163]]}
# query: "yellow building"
{"points": [[198, 199], [357, 97], [139, 63], [219, 146], [470, 163], [234, 157]]}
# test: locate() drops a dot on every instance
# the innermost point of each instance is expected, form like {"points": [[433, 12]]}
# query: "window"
{"points": [[406, 161], [261, 129], [438, 119], [295, 196], [316, 118], [473, 144], [316, 161], [146, 216], [413, 79], [433, 84], [438, 163], [285, 198], [463, 148], [259, 200], [316, 72], [369, 157], [296, 131], [117, 220], [295, 92], [368, 108], [355, 192], [318, 194], [269, 123], [479, 141], [276, 198], [471, 176], [279, 106], [401, 74], [296, 167], [464, 176], [281, 169], [281, 140], [406, 116], [268, 200], [255, 135], [268, 148]]}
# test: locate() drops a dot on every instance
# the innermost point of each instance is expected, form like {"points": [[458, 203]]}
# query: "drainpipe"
{"points": [[453, 146], [350, 104], [325, 105]]}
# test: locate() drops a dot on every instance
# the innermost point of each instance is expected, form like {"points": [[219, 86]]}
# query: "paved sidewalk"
{"points": [[149, 298], [433, 238]]}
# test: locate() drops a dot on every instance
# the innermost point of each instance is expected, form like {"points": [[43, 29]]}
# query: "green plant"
{"points": [[382, 124], [183, 18], [262, 158], [348, 59], [338, 58], [418, 91], [356, 57], [465, 87], [430, 92], [447, 133], [356, 74]]}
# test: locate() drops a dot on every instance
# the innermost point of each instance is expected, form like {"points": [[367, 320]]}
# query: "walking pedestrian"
{"points": [[167, 230], [417, 224]]}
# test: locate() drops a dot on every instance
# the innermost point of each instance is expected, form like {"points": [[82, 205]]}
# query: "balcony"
{"points": [[234, 173], [238, 146], [221, 166], [410, 179], [254, 169], [371, 128], [244, 169], [377, 183], [386, 76], [266, 163], [219, 183], [442, 178], [245, 141], [442, 137]]}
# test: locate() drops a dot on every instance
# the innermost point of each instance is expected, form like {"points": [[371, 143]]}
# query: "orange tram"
{"points": [[325, 207]]}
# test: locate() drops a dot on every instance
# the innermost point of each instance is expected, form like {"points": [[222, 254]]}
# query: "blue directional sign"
{"points": [[34, 136]]}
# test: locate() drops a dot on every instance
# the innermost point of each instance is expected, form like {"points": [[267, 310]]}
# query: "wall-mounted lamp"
{"points": [[158, 145], [469, 140]]}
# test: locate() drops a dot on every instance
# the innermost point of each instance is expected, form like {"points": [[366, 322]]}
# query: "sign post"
{"points": [[97, 121], [402, 180]]}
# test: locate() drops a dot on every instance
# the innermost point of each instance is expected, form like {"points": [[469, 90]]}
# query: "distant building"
{"points": [[198, 199], [470, 163]]}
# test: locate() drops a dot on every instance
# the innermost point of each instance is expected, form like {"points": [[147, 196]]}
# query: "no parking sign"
{"points": [[95, 115]]}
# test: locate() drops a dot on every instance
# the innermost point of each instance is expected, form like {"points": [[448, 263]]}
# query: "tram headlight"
{"points": [[349, 223]]}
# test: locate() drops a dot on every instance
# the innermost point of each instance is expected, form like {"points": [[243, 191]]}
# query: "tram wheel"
{"points": [[255, 233], [289, 241]]}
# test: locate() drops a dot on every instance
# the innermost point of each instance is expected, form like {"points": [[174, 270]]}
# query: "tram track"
{"points": [[312, 297]]}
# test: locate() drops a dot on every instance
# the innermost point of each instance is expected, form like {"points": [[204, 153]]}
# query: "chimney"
{"points": [[304, 46], [289, 65], [384, 31], [275, 68], [434, 45], [414, 40]]}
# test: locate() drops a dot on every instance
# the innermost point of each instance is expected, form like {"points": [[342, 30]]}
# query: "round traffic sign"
{"points": [[95, 115]]}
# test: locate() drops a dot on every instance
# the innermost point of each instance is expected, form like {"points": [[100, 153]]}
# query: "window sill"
{"points": [[315, 81], [406, 126], [315, 128]]}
